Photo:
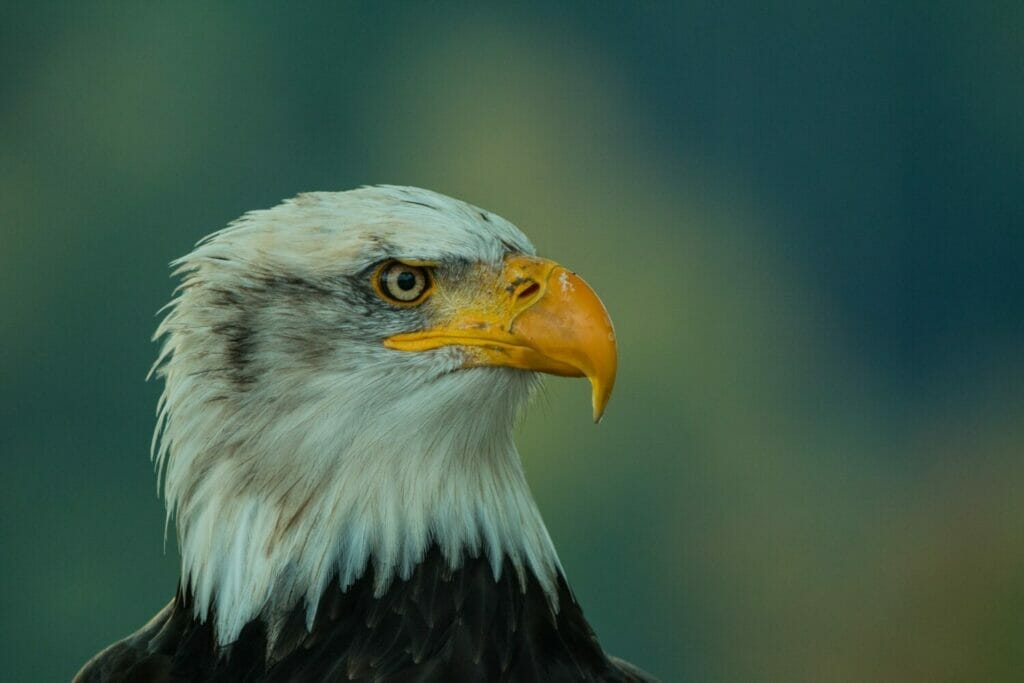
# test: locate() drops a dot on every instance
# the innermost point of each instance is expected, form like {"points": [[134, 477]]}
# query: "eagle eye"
{"points": [[401, 283]]}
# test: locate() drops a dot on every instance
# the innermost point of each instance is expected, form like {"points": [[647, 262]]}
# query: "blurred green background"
{"points": [[806, 219]]}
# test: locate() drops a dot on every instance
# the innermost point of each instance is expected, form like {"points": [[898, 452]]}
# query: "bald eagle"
{"points": [[342, 375]]}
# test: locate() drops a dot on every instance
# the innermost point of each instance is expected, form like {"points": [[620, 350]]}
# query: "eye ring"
{"points": [[402, 284]]}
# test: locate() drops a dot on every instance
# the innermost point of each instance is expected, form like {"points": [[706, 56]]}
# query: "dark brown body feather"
{"points": [[440, 625]]}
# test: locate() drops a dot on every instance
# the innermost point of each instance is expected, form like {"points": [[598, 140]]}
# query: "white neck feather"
{"points": [[276, 497]]}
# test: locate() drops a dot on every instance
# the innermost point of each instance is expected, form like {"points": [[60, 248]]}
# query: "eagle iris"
{"points": [[402, 283]]}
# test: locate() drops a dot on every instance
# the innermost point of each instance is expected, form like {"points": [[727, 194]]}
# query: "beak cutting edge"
{"points": [[536, 316]]}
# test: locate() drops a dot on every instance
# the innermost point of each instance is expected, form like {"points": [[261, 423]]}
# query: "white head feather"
{"points": [[295, 448]]}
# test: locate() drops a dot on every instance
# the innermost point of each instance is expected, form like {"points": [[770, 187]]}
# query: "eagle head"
{"points": [[342, 375]]}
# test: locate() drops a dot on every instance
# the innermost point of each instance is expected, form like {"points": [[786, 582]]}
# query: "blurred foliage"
{"points": [[805, 218]]}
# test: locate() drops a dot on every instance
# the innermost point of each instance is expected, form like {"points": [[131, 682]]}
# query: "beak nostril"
{"points": [[528, 291]]}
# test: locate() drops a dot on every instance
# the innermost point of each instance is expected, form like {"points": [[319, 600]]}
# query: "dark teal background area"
{"points": [[806, 219]]}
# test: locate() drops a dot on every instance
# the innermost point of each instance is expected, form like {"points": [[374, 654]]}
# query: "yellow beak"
{"points": [[536, 316]]}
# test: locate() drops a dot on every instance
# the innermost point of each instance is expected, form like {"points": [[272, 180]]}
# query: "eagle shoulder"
{"points": [[440, 624], [133, 659]]}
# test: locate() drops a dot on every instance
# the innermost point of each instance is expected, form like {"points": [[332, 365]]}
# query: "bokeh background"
{"points": [[807, 220]]}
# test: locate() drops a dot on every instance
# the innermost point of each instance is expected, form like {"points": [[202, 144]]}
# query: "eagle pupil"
{"points": [[406, 281]]}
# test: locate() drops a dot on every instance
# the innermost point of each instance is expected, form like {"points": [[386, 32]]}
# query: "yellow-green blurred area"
{"points": [[806, 219]]}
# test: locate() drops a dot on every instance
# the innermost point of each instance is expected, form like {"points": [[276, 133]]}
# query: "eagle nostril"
{"points": [[528, 291]]}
